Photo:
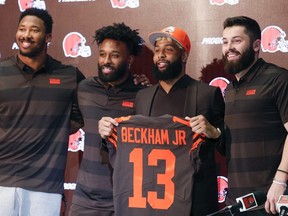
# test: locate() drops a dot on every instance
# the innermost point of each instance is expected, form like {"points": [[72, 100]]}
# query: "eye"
{"points": [[102, 55], [21, 29], [35, 30], [237, 40], [170, 49], [115, 56]]}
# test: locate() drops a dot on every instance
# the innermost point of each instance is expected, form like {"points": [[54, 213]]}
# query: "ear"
{"points": [[257, 45], [130, 60], [48, 38], [184, 57]]}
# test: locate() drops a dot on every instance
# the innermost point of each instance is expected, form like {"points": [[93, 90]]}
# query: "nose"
{"points": [[27, 34], [107, 59], [161, 54], [226, 47], [230, 46]]}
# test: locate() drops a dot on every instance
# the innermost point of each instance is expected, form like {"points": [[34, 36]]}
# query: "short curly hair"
{"points": [[123, 33], [41, 14]]}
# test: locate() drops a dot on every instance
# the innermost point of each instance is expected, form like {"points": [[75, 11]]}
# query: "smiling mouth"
{"points": [[232, 56], [162, 64], [107, 70], [26, 43]]}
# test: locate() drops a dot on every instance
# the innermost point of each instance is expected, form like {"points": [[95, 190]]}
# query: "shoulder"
{"points": [[56, 65], [272, 69], [89, 82], [148, 90], [201, 86], [10, 61], [204, 92], [130, 86], [273, 74], [8, 65]]}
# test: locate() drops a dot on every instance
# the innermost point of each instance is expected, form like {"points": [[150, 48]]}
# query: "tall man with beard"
{"points": [[112, 93], [256, 116], [38, 110], [179, 95]]}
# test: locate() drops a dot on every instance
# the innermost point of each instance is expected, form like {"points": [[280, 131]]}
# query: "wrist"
{"points": [[278, 182], [218, 131], [281, 175], [282, 171]]}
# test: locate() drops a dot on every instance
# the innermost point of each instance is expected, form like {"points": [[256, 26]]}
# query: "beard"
{"points": [[245, 61], [34, 51], [172, 71], [116, 74]]}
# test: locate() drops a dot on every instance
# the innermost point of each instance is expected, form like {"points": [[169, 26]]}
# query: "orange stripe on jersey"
{"points": [[181, 121], [114, 142], [123, 118], [113, 137], [197, 140]]}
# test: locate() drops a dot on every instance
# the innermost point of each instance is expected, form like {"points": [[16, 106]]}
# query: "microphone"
{"points": [[282, 204], [245, 203], [251, 201]]}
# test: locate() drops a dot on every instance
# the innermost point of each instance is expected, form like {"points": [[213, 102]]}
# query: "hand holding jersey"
{"points": [[105, 126], [200, 125]]}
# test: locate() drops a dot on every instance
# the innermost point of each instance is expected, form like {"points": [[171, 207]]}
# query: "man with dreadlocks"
{"points": [[112, 93]]}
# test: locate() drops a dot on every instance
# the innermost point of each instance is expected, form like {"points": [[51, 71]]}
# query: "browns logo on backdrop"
{"points": [[74, 45], [214, 74], [125, 3], [220, 82], [76, 141], [222, 188], [221, 2], [24, 4], [273, 39]]}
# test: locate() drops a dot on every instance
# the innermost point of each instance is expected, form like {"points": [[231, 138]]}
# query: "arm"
{"points": [[213, 127], [281, 178], [76, 120]]}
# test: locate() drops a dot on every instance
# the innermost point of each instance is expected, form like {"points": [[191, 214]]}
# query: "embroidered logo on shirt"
{"points": [[55, 81], [127, 104], [251, 92]]}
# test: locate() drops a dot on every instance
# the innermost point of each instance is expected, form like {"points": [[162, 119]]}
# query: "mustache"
{"points": [[27, 41], [107, 66], [162, 61], [233, 50]]}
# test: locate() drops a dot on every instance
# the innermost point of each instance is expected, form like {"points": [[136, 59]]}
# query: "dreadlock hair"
{"points": [[123, 33], [252, 28], [41, 14]]}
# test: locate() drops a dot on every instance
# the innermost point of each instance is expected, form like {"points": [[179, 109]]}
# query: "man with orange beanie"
{"points": [[178, 94]]}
